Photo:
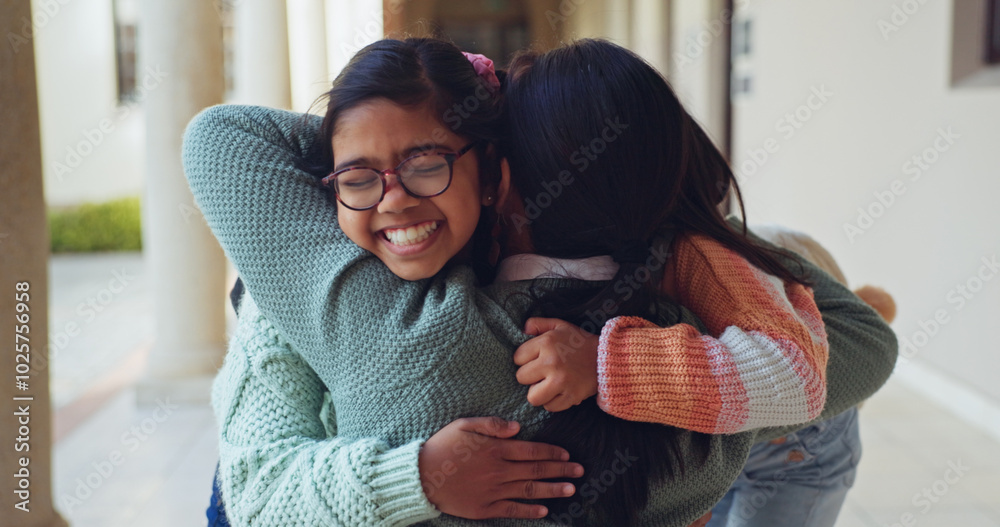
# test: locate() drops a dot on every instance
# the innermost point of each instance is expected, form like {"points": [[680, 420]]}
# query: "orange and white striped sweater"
{"points": [[763, 363]]}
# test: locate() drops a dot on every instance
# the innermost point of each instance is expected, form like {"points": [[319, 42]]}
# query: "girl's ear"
{"points": [[503, 187], [496, 196]]}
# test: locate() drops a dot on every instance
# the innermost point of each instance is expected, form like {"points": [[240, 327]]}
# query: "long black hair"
{"points": [[416, 72], [608, 162]]}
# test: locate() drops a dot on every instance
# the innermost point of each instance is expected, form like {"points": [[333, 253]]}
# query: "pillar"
{"points": [[651, 32], [261, 58], [619, 21], [25, 407], [350, 26], [182, 39], [307, 52]]}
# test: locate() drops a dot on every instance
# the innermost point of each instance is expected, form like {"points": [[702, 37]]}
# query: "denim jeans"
{"points": [[800, 480], [216, 511]]}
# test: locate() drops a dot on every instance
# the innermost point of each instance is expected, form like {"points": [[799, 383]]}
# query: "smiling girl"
{"points": [[420, 214], [405, 344]]}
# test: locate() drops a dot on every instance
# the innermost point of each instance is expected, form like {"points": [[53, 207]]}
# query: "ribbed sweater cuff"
{"points": [[616, 386], [397, 488], [644, 374]]}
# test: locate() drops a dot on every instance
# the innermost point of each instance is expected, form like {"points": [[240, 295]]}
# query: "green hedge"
{"points": [[111, 226]]}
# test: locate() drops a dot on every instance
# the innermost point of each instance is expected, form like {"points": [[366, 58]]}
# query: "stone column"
{"points": [[651, 32], [618, 25], [182, 40], [610, 19], [307, 52], [261, 53], [25, 411], [350, 26]]}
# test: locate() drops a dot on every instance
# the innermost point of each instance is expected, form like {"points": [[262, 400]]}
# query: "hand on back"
{"points": [[472, 469]]}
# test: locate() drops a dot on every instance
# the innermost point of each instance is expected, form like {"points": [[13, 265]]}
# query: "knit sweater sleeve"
{"points": [[279, 465], [763, 362], [280, 230], [271, 218], [863, 348]]}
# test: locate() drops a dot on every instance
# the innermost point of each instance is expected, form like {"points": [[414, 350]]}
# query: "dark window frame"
{"points": [[126, 50], [125, 60], [993, 32]]}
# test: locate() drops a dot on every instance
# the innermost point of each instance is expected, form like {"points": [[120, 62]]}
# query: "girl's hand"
{"points": [[472, 469], [560, 364]]}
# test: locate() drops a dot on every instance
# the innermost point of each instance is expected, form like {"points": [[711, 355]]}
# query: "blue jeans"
{"points": [[800, 480], [216, 511]]}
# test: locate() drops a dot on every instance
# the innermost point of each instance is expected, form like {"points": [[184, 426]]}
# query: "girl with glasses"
{"points": [[407, 342]]}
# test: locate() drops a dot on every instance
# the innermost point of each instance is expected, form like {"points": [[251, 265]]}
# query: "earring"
{"points": [[489, 200]]}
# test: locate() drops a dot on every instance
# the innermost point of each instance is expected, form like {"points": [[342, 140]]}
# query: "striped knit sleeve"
{"points": [[762, 363]]}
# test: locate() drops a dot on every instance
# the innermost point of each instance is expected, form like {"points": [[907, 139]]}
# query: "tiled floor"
{"points": [[124, 465], [100, 310], [130, 466], [116, 464], [922, 466]]}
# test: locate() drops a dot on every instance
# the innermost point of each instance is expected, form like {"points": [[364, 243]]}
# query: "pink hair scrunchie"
{"points": [[484, 68]]}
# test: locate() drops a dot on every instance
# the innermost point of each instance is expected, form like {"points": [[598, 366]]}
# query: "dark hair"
{"points": [[415, 72], [609, 162]]}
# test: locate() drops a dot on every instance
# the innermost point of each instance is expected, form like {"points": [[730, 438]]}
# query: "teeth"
{"points": [[411, 235]]}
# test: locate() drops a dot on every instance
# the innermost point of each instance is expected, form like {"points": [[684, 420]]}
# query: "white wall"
{"points": [[77, 95], [888, 97]]}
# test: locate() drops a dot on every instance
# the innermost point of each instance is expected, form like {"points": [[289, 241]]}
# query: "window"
{"points": [[495, 28], [125, 44], [742, 35], [975, 44], [225, 9], [993, 33]]}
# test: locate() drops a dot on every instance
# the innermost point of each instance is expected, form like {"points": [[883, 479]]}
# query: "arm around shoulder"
{"points": [[863, 348], [278, 464], [761, 362]]}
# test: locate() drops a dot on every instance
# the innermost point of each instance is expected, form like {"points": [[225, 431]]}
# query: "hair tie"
{"points": [[632, 252], [484, 68]]}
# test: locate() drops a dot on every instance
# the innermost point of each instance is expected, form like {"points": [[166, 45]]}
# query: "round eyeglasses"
{"points": [[424, 175]]}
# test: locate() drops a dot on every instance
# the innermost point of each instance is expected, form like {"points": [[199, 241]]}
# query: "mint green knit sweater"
{"points": [[400, 359]]}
